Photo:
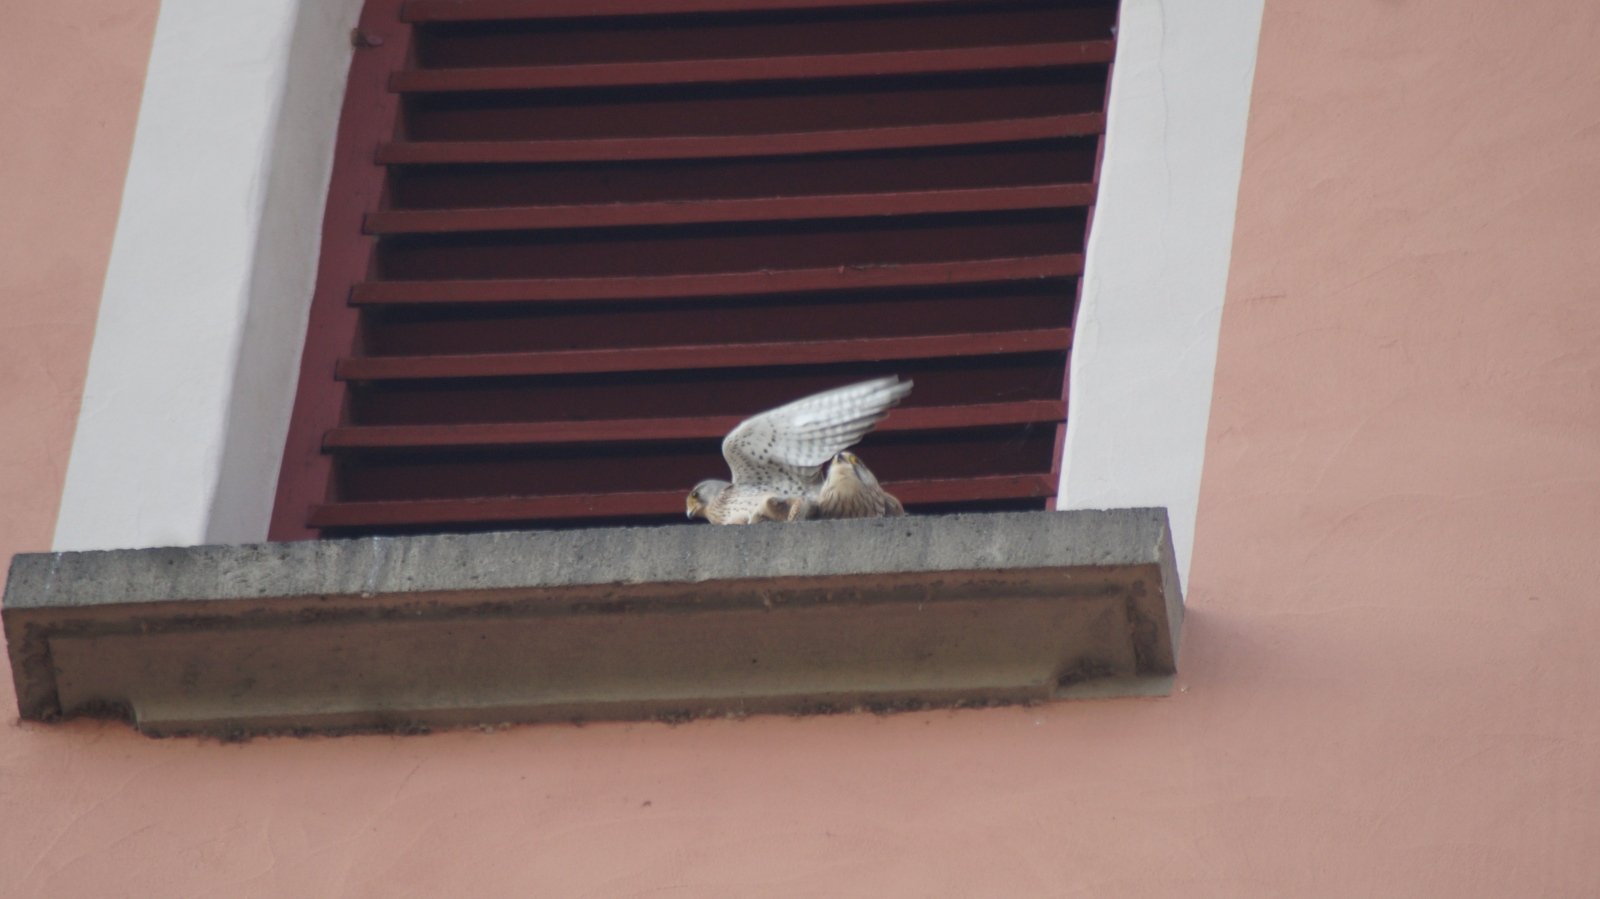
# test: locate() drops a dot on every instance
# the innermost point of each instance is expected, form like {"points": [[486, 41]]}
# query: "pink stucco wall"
{"points": [[1399, 532], [70, 76], [1388, 682]]}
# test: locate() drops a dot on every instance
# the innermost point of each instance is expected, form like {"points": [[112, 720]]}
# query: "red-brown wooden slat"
{"points": [[735, 145], [775, 68], [662, 287], [486, 10], [712, 392], [680, 212], [741, 355], [1066, 161], [657, 502], [924, 418]]}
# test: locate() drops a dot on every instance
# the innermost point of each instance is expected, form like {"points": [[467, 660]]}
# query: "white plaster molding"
{"points": [[1145, 346], [192, 373]]}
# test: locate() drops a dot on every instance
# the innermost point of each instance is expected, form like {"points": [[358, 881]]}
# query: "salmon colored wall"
{"points": [[1388, 684], [70, 76], [1398, 548]]}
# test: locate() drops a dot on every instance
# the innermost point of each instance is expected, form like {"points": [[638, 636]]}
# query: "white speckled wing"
{"points": [[783, 449]]}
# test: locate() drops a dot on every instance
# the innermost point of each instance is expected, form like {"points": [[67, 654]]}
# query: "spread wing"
{"points": [[783, 449]]}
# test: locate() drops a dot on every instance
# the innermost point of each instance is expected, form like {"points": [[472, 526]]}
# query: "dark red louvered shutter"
{"points": [[571, 243]]}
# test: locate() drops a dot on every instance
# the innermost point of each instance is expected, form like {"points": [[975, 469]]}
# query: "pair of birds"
{"points": [[792, 462]]}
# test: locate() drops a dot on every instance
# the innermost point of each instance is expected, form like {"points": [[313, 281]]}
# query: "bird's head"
{"points": [[849, 465], [702, 495]]}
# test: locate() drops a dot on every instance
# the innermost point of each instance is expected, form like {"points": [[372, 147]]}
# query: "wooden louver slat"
{"points": [[744, 355], [583, 195], [667, 287], [629, 430], [761, 209], [653, 503], [490, 10], [994, 131], [902, 62]]}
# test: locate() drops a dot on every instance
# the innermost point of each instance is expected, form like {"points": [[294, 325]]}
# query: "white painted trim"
{"points": [[192, 373], [1145, 346]]}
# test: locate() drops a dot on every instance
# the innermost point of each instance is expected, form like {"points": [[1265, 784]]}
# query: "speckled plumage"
{"points": [[777, 457], [851, 490]]}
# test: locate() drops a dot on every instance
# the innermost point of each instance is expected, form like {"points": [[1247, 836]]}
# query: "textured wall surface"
{"points": [[1395, 566], [1387, 685], [72, 73]]}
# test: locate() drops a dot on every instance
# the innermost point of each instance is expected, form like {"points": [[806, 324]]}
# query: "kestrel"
{"points": [[850, 490], [777, 457]]}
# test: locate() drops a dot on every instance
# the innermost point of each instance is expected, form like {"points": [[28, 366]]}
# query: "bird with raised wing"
{"points": [[777, 458]]}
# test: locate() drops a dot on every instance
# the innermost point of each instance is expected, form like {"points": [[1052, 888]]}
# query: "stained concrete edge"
{"points": [[523, 559], [274, 589]]}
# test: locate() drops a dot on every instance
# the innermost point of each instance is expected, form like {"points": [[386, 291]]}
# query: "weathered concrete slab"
{"points": [[409, 632]]}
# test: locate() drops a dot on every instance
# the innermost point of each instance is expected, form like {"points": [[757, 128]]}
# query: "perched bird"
{"points": [[777, 457], [851, 490]]}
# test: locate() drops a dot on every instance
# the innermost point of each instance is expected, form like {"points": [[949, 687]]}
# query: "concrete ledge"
{"points": [[419, 632]]}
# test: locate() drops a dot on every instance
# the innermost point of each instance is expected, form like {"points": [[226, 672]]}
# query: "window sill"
{"points": [[410, 633]]}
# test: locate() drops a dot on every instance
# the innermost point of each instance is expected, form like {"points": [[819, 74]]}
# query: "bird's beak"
{"points": [[848, 459], [694, 507]]}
